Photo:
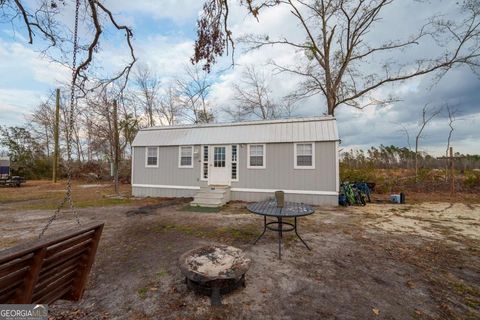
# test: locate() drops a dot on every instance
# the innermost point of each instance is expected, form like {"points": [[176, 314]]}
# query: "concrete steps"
{"points": [[211, 196]]}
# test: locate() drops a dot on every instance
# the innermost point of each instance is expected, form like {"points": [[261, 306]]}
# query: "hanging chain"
{"points": [[71, 115], [68, 195]]}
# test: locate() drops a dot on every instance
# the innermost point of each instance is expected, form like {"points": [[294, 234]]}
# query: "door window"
{"points": [[219, 157]]}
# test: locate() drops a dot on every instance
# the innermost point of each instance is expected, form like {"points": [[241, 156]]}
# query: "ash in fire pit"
{"points": [[214, 270]]}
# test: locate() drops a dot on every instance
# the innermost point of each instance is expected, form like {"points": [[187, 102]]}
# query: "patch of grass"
{"points": [[246, 233], [45, 195], [289, 239], [470, 295], [463, 288], [142, 293], [472, 303], [200, 209], [243, 233], [51, 204], [189, 230], [162, 273]]}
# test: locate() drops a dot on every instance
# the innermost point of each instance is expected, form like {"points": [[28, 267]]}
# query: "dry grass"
{"points": [[46, 195], [384, 261]]}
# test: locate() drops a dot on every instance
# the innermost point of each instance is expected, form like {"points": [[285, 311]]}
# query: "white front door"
{"points": [[219, 165]]}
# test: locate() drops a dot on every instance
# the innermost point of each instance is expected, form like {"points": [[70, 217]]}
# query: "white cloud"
{"points": [[167, 55], [176, 10], [16, 104], [26, 78], [17, 59]]}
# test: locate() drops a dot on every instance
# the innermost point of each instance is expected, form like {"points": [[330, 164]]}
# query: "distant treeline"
{"points": [[392, 169], [389, 157], [29, 158]]}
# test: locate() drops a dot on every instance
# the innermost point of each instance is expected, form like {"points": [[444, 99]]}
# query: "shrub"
{"points": [[472, 179]]}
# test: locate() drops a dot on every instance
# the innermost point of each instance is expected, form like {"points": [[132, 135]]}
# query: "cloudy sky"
{"points": [[164, 36]]}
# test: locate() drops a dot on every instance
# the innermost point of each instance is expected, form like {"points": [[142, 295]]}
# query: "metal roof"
{"points": [[265, 131], [4, 161]]}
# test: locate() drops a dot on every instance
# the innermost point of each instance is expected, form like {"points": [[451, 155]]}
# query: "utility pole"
{"points": [[116, 142], [56, 150]]}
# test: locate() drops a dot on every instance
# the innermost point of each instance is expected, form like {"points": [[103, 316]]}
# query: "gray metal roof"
{"points": [[4, 161], [267, 131]]}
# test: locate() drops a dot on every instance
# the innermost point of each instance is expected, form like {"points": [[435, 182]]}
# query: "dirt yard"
{"points": [[382, 261]]}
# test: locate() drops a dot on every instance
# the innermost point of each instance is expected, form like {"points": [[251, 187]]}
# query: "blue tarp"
{"points": [[4, 170]]}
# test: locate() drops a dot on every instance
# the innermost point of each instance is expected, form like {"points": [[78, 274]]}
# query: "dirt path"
{"points": [[417, 261]]}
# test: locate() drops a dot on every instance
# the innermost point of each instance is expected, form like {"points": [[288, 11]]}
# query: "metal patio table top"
{"points": [[269, 208], [291, 209]]}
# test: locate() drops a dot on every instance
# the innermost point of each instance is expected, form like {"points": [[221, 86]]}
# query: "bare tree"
{"points": [[194, 89], [148, 83], [44, 18], [41, 123], [89, 132], [407, 136], [254, 97], [235, 113], [452, 112], [171, 107], [100, 126], [451, 119], [116, 145], [338, 56], [205, 116], [427, 116], [129, 124], [72, 130]]}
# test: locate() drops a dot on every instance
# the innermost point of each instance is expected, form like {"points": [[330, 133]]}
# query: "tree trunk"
{"points": [[330, 106], [47, 140], [55, 136], [78, 144], [416, 157], [150, 116], [116, 141], [452, 172]]}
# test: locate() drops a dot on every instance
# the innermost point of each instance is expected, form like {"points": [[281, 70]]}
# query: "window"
{"points": [[304, 156], [219, 157], [235, 162], [151, 157], [256, 156], [205, 163], [185, 157]]}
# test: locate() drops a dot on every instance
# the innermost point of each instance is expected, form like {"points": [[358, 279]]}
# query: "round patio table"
{"points": [[269, 208]]}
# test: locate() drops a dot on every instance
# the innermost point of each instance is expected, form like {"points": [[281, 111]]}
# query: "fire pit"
{"points": [[214, 270]]}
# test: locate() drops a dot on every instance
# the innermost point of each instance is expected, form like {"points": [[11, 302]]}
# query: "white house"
{"points": [[246, 161]]}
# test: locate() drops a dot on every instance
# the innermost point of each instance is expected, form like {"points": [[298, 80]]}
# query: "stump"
{"points": [[214, 270]]}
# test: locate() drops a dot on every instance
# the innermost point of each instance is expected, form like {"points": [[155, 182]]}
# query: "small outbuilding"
{"points": [[246, 161], [4, 166]]}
